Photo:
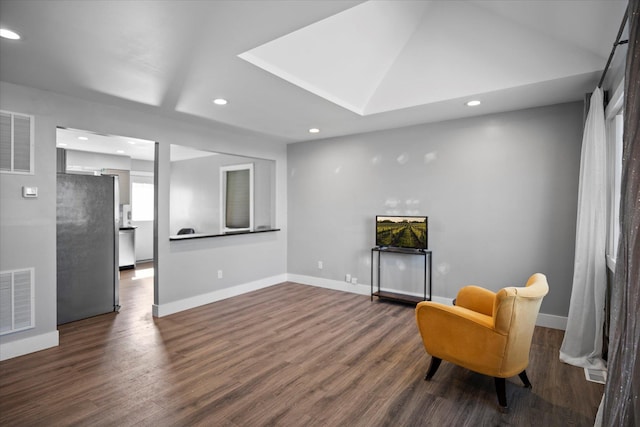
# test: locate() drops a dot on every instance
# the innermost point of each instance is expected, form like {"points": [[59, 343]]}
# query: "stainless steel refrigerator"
{"points": [[87, 246]]}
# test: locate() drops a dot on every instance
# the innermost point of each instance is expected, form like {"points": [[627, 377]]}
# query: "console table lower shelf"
{"points": [[392, 296]]}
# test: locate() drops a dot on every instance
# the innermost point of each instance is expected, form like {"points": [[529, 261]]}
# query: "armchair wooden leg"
{"points": [[433, 367], [502, 393], [525, 379]]}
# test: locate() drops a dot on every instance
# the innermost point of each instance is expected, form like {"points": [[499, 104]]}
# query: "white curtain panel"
{"points": [[582, 344]]}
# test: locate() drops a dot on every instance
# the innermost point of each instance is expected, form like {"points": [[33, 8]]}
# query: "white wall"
{"points": [[195, 192], [186, 271], [89, 162], [500, 192]]}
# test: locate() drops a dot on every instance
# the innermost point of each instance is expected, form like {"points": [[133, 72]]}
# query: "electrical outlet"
{"points": [[347, 278], [354, 280], [219, 274], [320, 265]]}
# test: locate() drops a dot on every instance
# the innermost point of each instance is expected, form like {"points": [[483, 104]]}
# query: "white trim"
{"points": [[336, 285], [28, 345], [552, 321], [161, 310]]}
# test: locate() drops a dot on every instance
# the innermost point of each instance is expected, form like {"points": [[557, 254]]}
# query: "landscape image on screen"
{"points": [[401, 232]]}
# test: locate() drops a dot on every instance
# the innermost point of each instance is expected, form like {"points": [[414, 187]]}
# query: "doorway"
{"points": [[133, 162]]}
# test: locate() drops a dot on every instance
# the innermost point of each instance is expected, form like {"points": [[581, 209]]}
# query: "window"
{"points": [[141, 201], [237, 197], [615, 124]]}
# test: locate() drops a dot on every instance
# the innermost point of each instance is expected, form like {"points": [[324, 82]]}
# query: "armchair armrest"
{"points": [[477, 299]]}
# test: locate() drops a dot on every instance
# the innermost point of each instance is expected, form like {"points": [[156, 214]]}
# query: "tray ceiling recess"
{"points": [[382, 56]]}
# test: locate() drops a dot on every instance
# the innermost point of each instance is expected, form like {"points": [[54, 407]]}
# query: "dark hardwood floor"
{"points": [[288, 355]]}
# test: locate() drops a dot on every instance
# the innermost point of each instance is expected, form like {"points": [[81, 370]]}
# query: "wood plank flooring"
{"points": [[288, 355]]}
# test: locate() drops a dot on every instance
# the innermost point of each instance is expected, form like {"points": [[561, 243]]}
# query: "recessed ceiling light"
{"points": [[61, 144], [8, 34], [220, 101], [314, 130], [120, 151], [473, 103], [83, 138], [132, 142]]}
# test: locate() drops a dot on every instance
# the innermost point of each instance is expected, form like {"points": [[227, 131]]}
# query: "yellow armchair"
{"points": [[486, 332]]}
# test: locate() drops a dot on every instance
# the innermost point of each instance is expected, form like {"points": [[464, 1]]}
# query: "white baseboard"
{"points": [[24, 346], [162, 310], [552, 321], [336, 285]]}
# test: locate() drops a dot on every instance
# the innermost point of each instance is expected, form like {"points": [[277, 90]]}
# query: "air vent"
{"points": [[16, 143], [16, 300], [596, 375]]}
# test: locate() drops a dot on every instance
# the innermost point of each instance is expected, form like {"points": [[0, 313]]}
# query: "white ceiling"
{"points": [[286, 66]]}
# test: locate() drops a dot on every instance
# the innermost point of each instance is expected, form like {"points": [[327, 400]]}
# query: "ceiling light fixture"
{"points": [[120, 151], [220, 101], [8, 34], [83, 138], [61, 144], [314, 130], [132, 142], [473, 103]]}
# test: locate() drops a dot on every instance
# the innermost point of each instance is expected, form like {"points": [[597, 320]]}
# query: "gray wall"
{"points": [[185, 270], [500, 192]]}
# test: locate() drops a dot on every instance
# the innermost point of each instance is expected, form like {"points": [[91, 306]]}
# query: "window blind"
{"points": [[238, 199]]}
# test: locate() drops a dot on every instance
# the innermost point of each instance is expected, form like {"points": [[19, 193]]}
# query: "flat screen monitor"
{"points": [[407, 232]]}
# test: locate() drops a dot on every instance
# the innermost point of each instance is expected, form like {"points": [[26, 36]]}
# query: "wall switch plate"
{"points": [[29, 192], [320, 265], [347, 278], [219, 274], [354, 280]]}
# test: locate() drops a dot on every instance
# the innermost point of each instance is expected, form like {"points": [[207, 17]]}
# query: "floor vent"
{"points": [[596, 375], [16, 300]]}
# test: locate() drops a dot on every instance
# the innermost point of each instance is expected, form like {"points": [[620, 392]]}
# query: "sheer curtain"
{"points": [[622, 391], [582, 344]]}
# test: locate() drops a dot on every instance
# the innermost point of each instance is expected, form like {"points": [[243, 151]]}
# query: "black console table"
{"points": [[398, 296]]}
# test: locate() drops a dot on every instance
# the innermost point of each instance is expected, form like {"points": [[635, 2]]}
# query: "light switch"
{"points": [[29, 192]]}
